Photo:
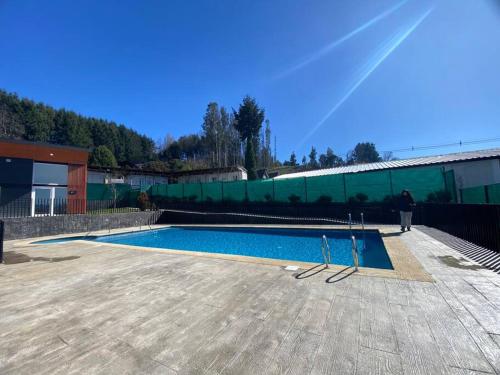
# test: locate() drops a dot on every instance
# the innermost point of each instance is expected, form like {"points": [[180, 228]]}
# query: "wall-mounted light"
{"points": [[51, 154]]}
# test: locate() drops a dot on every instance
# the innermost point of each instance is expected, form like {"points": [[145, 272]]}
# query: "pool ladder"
{"points": [[327, 256], [362, 228], [355, 257], [325, 250]]}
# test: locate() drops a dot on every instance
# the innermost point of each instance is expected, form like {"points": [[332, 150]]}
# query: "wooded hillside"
{"points": [[24, 119]]}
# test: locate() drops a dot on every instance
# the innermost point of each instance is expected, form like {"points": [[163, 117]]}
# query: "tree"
{"points": [[250, 162], [23, 118], [11, 111], [364, 153], [329, 160], [101, 156], [304, 161], [248, 122], [293, 159], [212, 132], [388, 156], [266, 156], [313, 162]]}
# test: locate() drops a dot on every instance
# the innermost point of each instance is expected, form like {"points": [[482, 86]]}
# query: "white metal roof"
{"points": [[421, 161]]}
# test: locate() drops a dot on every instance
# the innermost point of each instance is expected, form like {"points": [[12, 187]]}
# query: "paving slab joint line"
{"points": [[471, 369], [463, 325], [398, 352]]}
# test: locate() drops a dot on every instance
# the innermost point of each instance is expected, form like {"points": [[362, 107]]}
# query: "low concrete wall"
{"points": [[29, 227]]}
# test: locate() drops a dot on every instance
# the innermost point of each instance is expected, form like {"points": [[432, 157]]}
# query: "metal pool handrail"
{"points": [[355, 253], [325, 250], [362, 227]]}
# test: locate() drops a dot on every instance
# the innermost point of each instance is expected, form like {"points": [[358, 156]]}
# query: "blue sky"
{"points": [[416, 72]]}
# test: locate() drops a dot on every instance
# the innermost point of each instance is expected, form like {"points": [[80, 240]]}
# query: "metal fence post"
{"points": [[305, 188], [1, 240]]}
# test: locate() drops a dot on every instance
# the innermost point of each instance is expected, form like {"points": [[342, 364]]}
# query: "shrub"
{"points": [[209, 199], [268, 197], [294, 199], [441, 196], [324, 199], [361, 197], [193, 198], [358, 198], [143, 201], [390, 199]]}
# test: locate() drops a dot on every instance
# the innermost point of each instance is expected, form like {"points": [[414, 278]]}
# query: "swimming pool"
{"points": [[302, 245]]}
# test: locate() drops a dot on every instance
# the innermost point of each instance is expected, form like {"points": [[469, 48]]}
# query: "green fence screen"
{"points": [[108, 191], [494, 194], [420, 181], [474, 195], [212, 191], [235, 190], [373, 186], [260, 190], [486, 194], [284, 189], [331, 186]]}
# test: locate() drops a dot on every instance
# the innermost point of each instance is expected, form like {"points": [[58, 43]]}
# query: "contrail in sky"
{"points": [[368, 69], [323, 51]]}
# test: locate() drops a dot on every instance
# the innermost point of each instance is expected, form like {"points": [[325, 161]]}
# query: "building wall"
{"points": [[143, 180], [213, 177], [43, 153], [96, 177], [475, 173], [77, 188], [19, 160], [16, 176]]}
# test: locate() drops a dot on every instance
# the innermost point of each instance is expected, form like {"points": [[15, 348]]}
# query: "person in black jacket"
{"points": [[406, 204]]}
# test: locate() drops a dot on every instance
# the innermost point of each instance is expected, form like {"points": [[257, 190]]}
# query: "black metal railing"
{"points": [[62, 206], [1, 240]]}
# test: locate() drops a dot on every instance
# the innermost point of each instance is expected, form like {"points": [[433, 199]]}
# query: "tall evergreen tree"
{"points": [[248, 122], [313, 161], [293, 159], [101, 156], [364, 153]]}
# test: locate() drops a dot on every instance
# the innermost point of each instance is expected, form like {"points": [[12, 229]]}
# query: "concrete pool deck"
{"points": [[82, 307]]}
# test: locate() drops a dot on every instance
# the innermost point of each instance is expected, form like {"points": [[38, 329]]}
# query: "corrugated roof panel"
{"points": [[420, 161]]}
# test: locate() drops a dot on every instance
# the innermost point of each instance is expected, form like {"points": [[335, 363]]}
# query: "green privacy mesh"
{"points": [[159, 191], [494, 193], [235, 190], [419, 181], [175, 191], [474, 195], [259, 191], [284, 189], [374, 185], [193, 192], [449, 180], [107, 191], [212, 191], [327, 186]]}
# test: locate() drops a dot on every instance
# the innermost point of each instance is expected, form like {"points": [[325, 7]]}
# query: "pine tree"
{"points": [[101, 156], [248, 122]]}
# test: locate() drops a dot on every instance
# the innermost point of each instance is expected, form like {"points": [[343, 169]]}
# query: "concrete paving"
{"points": [[90, 308]]}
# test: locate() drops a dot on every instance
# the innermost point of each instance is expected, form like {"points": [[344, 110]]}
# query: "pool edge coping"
{"points": [[405, 264]]}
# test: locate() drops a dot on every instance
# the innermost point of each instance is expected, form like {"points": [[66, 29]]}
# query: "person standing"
{"points": [[406, 204]]}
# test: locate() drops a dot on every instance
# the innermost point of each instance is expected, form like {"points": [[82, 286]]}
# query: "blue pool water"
{"points": [[289, 244]]}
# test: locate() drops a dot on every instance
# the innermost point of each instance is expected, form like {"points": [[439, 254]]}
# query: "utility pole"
{"points": [[275, 158]]}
